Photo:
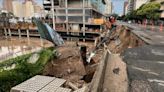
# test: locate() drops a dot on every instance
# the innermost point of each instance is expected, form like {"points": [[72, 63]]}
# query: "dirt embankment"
{"points": [[69, 65], [122, 39]]}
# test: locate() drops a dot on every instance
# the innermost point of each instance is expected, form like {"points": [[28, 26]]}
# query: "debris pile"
{"points": [[70, 66], [122, 39]]}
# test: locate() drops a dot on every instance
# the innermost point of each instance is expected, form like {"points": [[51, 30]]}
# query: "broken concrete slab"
{"points": [[41, 83], [111, 75], [115, 79]]}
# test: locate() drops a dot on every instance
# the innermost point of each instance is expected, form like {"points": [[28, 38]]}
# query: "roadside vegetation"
{"points": [[17, 70], [148, 11]]}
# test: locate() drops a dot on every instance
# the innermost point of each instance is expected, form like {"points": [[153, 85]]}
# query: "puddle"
{"points": [[10, 48], [14, 51]]}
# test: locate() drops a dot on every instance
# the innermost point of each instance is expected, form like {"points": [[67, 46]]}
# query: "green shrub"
{"points": [[23, 70]]}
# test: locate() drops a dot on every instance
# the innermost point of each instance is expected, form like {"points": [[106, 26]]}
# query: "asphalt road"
{"points": [[145, 64], [150, 37]]}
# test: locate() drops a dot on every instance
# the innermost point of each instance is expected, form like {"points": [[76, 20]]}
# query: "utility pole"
{"points": [[83, 18], [53, 13], [66, 6]]}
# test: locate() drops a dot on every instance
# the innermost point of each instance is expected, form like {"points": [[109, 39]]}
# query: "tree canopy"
{"points": [[146, 11], [149, 11]]}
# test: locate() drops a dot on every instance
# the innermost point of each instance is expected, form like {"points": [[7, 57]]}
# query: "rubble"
{"points": [[69, 66], [122, 38], [135, 64]]}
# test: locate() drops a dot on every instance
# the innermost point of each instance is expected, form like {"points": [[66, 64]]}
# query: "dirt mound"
{"points": [[122, 39], [68, 65]]}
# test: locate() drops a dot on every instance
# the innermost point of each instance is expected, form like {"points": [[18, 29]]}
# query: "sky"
{"points": [[118, 6]]}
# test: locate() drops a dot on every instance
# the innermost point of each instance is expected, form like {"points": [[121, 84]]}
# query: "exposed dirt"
{"points": [[122, 39], [116, 78], [69, 65]]}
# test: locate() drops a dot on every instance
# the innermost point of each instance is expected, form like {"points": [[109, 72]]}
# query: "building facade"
{"points": [[7, 5], [139, 3], [72, 13], [108, 7], [28, 8], [162, 10], [125, 11], [130, 5], [135, 4], [18, 9]]}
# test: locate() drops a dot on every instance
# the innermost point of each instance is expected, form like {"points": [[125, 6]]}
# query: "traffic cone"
{"points": [[152, 26], [161, 27]]}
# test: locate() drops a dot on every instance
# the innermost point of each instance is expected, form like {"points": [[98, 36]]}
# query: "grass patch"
{"points": [[23, 70]]}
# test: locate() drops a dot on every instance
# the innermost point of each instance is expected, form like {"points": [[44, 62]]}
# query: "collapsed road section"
{"points": [[130, 60], [140, 53]]}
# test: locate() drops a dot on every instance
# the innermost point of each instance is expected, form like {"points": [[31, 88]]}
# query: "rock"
{"points": [[34, 58]]}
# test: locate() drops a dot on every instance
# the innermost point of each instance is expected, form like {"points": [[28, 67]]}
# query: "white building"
{"points": [[108, 7], [18, 9], [162, 10], [135, 4], [139, 3]]}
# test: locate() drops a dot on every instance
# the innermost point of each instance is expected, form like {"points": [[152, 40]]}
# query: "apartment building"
{"points": [[108, 7], [139, 3], [7, 5], [125, 11], [135, 4], [18, 9], [75, 15], [28, 8], [162, 10], [130, 5]]}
